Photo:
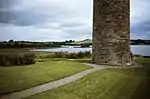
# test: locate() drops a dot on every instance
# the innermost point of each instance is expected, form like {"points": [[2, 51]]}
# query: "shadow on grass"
{"points": [[143, 90]]}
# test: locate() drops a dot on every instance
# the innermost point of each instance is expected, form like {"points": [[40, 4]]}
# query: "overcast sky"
{"points": [[59, 20]]}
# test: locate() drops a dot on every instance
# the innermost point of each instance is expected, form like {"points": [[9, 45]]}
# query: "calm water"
{"points": [[143, 50]]}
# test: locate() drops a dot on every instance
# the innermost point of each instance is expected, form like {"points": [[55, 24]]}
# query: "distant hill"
{"points": [[133, 42], [86, 41]]}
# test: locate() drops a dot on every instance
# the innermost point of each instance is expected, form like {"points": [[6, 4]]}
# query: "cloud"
{"points": [[40, 11], [40, 20], [30, 33], [140, 23], [57, 20]]}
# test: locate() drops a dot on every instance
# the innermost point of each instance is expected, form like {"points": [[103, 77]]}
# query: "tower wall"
{"points": [[111, 37]]}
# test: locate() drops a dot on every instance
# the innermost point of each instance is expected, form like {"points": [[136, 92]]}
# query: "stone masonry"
{"points": [[111, 37]]}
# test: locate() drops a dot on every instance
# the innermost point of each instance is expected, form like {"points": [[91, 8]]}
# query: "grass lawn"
{"points": [[131, 83], [21, 77]]}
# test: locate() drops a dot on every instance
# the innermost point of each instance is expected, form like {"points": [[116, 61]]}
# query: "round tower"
{"points": [[111, 32]]}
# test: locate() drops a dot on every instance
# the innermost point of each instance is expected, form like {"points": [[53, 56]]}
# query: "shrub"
{"points": [[86, 54], [72, 55], [136, 55], [13, 59], [59, 55]]}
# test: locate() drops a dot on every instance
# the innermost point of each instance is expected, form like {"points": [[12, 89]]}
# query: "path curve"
{"points": [[55, 84]]}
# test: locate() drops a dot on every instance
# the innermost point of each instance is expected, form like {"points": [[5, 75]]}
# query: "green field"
{"points": [[87, 41], [131, 83], [21, 77]]}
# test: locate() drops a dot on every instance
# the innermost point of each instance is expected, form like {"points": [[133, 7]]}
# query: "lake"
{"points": [[143, 50]]}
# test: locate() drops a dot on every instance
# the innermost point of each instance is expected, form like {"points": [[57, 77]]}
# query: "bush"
{"points": [[59, 55], [13, 59], [136, 55], [86, 54]]}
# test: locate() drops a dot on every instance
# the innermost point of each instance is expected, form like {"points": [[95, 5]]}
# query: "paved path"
{"points": [[55, 84], [52, 85]]}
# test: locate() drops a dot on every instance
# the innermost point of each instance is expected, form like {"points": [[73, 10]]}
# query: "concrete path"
{"points": [[58, 83], [54, 84]]}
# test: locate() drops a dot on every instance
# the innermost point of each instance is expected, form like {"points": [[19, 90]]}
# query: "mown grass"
{"points": [[129, 83], [18, 78]]}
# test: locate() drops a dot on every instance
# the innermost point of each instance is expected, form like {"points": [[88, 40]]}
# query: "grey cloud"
{"points": [[72, 24], [5, 16], [82, 32], [33, 15], [22, 18], [4, 11], [70, 19], [4, 4], [140, 23], [141, 30]]}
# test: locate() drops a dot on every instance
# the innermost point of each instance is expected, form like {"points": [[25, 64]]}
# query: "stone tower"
{"points": [[111, 37]]}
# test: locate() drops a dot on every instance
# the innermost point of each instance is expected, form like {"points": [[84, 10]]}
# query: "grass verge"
{"points": [[131, 83], [18, 78]]}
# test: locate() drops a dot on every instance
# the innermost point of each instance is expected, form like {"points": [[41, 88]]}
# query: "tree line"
{"points": [[29, 44]]}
